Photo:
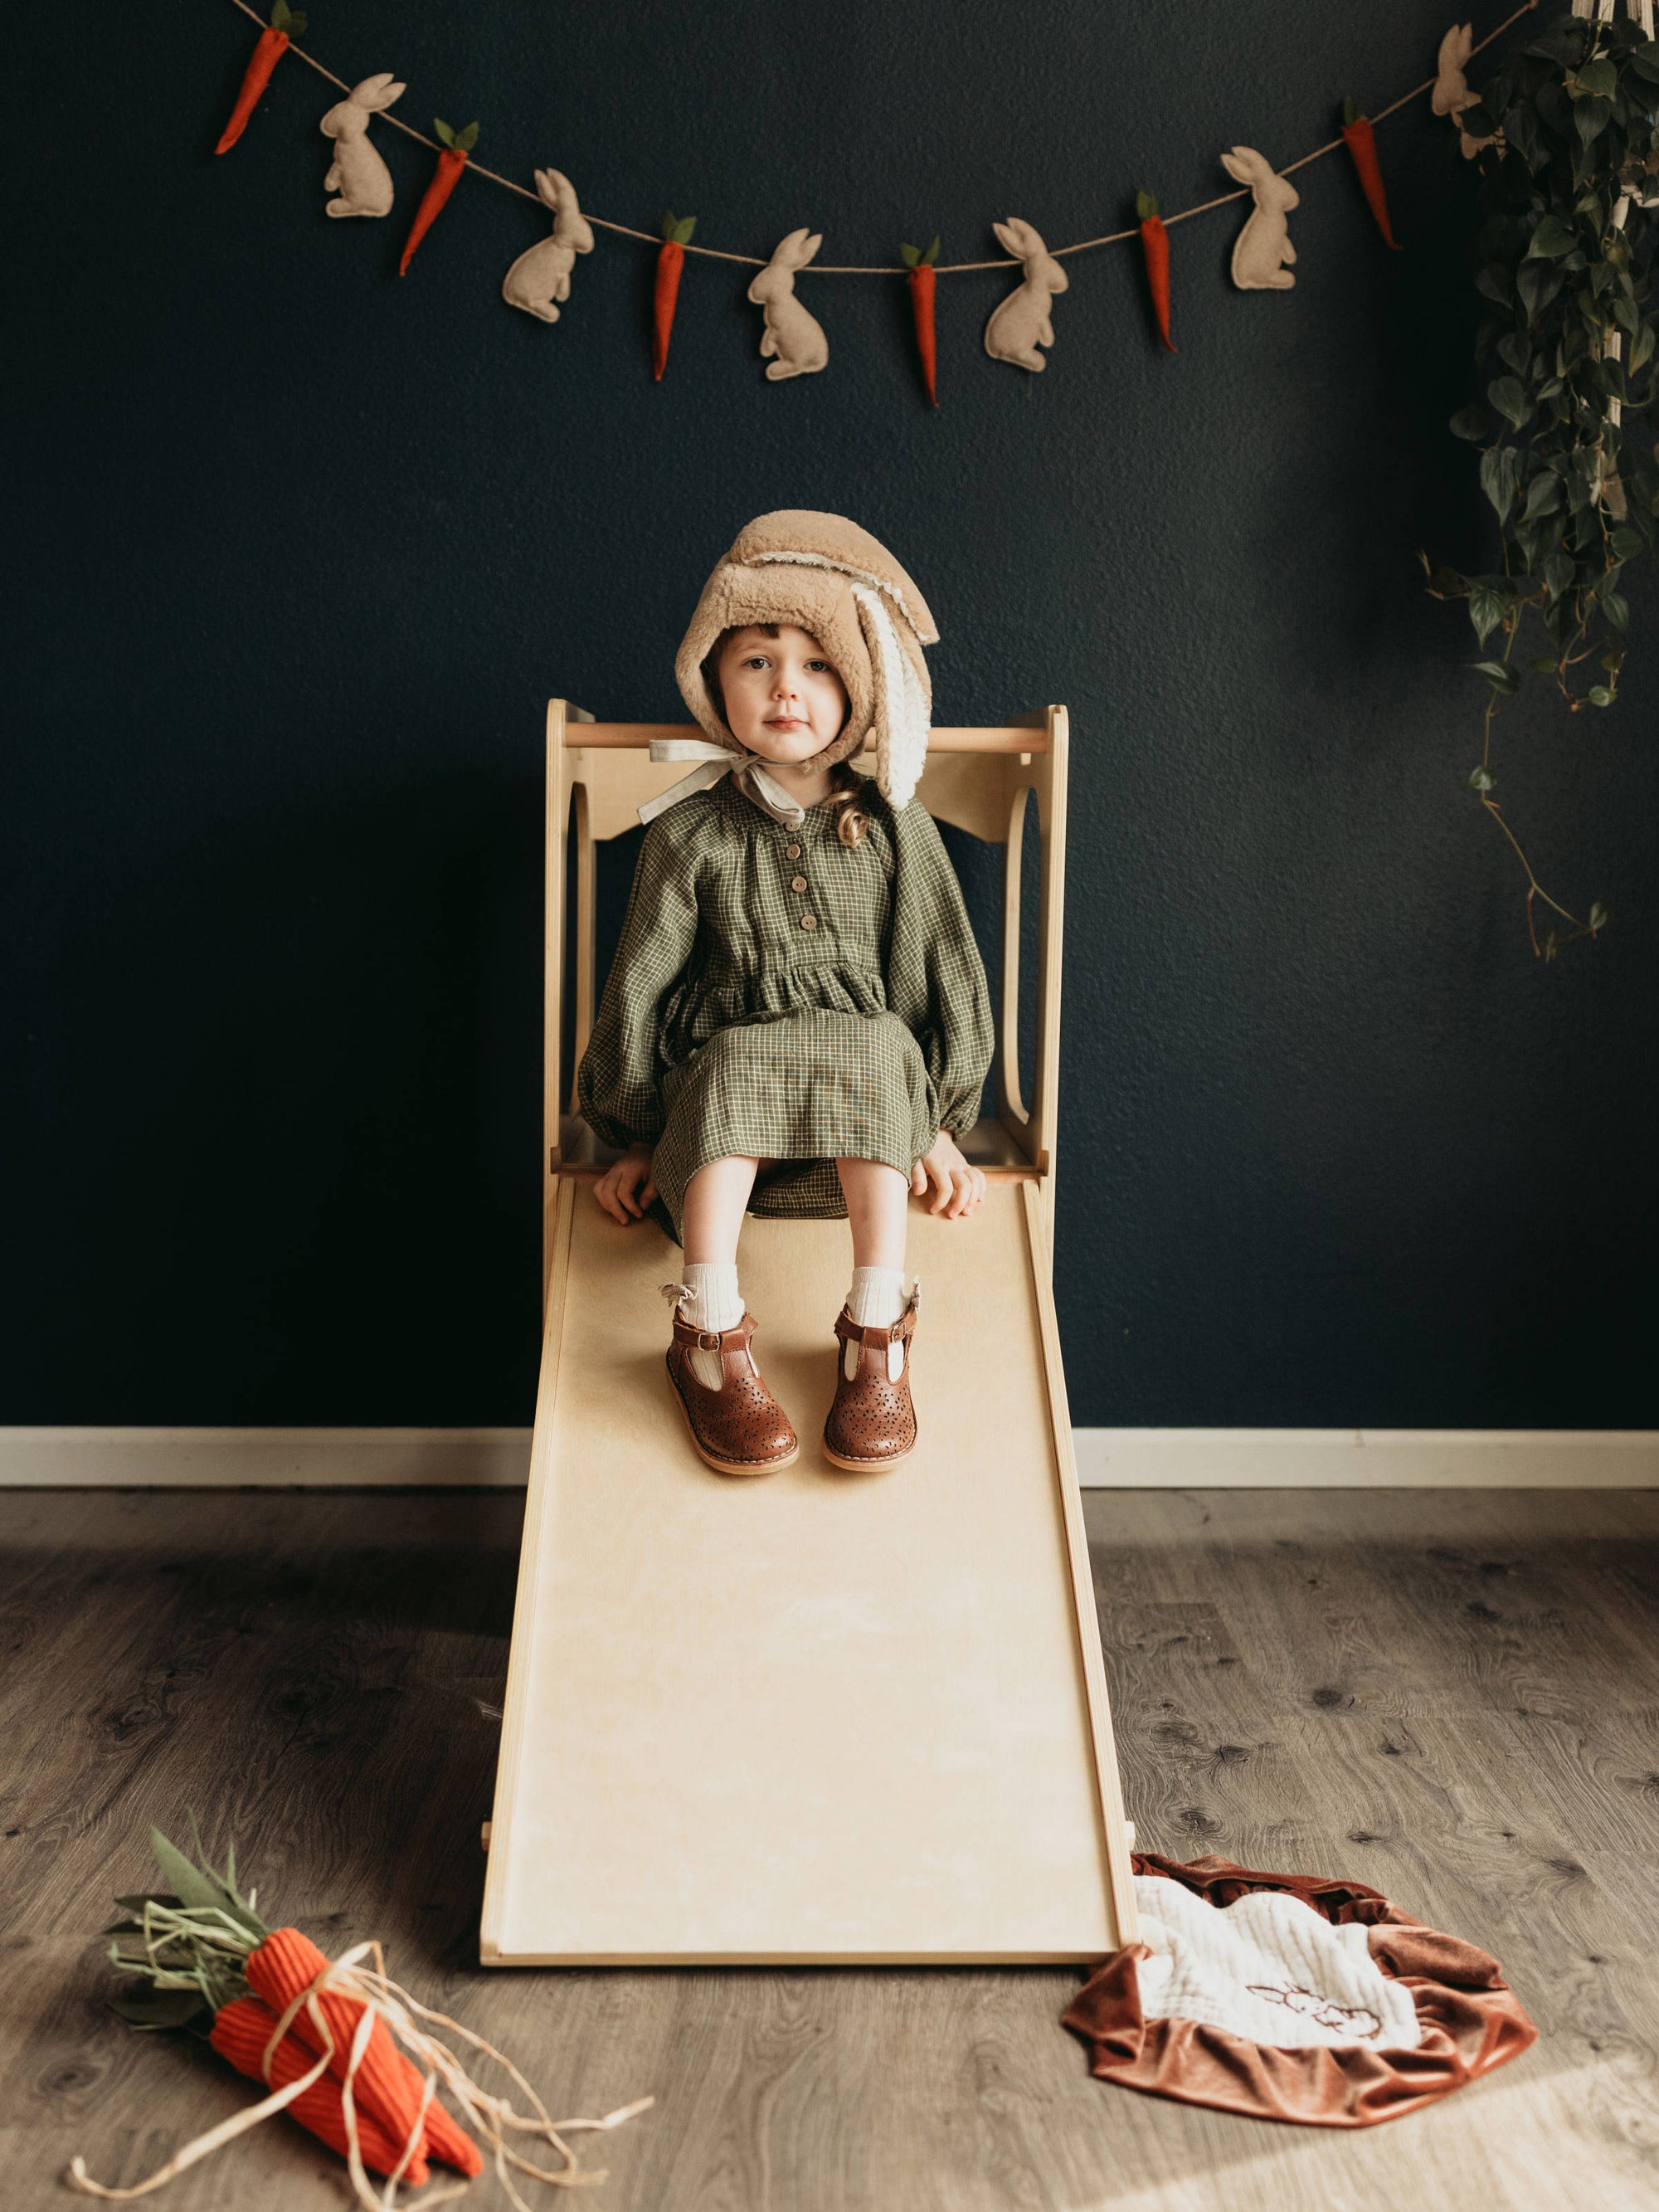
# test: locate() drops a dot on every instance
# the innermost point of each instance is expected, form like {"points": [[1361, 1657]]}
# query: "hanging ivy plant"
{"points": [[1569, 172]]}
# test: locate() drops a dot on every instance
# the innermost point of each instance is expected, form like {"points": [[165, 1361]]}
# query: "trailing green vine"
{"points": [[1568, 130]]}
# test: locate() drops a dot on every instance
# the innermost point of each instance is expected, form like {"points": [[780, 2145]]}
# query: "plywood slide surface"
{"points": [[814, 1717]]}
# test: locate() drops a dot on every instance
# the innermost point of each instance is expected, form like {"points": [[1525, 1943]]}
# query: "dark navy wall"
{"points": [[298, 550]]}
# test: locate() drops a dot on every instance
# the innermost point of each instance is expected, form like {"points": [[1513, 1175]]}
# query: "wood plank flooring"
{"points": [[1453, 1695]]}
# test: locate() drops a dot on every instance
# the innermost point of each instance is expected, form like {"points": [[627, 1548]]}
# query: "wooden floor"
{"points": [[1452, 1695]]}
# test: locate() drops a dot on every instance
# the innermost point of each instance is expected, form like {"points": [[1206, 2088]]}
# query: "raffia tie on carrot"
{"points": [[671, 261], [457, 145], [923, 279], [1362, 144], [244, 2032], [273, 42], [1155, 247], [202, 1950]]}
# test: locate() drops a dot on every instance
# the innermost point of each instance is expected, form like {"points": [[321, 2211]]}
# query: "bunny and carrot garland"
{"points": [[539, 280], [671, 261], [920, 275], [792, 342], [275, 39], [451, 160]]}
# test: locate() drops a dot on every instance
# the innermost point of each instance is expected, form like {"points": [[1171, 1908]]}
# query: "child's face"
{"points": [[783, 700]]}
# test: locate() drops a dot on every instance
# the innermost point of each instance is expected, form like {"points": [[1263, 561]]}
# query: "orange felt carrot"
{"points": [[386, 2084], [273, 44], [1356, 130], [457, 145], [922, 278], [671, 260], [1155, 245], [241, 2033]]}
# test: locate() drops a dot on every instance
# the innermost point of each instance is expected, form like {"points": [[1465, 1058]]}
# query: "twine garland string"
{"points": [[382, 2000], [943, 268]]}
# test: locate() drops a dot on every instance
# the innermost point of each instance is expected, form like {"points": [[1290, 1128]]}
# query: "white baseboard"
{"points": [[1368, 1459], [1109, 1459], [262, 1459]]}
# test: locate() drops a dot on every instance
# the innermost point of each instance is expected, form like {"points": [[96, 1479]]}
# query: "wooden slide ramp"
{"points": [[814, 1717]]}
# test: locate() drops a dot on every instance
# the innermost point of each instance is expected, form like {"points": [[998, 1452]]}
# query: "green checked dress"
{"points": [[779, 995]]}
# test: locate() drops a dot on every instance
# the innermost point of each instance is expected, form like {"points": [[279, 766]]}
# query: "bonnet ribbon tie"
{"points": [[714, 761]]}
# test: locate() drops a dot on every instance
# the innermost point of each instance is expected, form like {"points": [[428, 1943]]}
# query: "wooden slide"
{"points": [[817, 1719]]}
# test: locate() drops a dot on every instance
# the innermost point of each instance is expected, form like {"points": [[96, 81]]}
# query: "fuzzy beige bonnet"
{"points": [[825, 574]]}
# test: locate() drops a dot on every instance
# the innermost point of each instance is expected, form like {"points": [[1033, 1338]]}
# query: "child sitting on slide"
{"points": [[796, 1021]]}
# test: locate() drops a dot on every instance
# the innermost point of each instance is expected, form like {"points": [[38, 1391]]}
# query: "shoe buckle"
{"points": [[708, 1340]]}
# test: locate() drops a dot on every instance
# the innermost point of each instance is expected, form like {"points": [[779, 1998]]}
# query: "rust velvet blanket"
{"points": [[1469, 2018]]}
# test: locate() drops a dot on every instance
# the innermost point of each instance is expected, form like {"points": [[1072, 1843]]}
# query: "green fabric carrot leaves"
{"points": [[1155, 246], [285, 26], [671, 261], [922, 278], [1357, 131], [456, 146]]}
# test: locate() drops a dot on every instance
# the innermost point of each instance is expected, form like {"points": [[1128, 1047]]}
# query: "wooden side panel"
{"points": [[814, 1717]]}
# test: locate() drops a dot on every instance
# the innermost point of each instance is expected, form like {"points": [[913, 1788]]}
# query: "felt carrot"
{"points": [[922, 278], [273, 42], [1356, 130], [1155, 245], [241, 2033], [671, 260], [457, 145], [211, 1963]]}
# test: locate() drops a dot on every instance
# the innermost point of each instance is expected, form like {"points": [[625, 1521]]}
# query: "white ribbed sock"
{"points": [[876, 1301], [876, 1298], [715, 1302]]}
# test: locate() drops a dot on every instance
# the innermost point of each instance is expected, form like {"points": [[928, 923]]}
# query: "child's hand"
{"points": [[959, 1187], [626, 1189]]}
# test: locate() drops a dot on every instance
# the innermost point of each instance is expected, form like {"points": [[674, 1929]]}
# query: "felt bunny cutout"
{"points": [[1451, 89], [1022, 322], [1264, 245], [792, 344], [541, 275], [357, 173]]}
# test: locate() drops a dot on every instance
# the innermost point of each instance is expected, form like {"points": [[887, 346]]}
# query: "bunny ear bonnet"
{"points": [[825, 574]]}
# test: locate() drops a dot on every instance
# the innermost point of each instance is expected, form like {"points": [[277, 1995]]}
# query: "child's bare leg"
{"points": [[877, 1198], [872, 1423], [711, 1216], [711, 1221]]}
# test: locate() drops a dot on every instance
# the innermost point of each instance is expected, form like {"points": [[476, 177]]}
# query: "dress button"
{"points": [[798, 883], [792, 852], [809, 921]]}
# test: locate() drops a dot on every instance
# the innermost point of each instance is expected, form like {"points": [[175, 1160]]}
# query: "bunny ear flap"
{"points": [[903, 704]]}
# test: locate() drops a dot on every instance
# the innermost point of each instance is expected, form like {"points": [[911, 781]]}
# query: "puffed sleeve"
{"points": [[618, 1085], [935, 977]]}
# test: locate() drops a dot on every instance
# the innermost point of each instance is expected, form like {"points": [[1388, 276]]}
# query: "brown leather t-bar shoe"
{"points": [[740, 1429], [873, 1423]]}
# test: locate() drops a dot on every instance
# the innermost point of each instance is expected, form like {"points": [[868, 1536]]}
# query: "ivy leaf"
{"points": [[1600, 77], [1641, 347], [1615, 607], [1471, 422], [1551, 238], [1488, 604], [1599, 696], [1626, 541], [1544, 663], [1499, 467], [1543, 495], [1590, 119], [1558, 572], [1499, 674], [1599, 917], [1514, 350], [1482, 779], [1645, 59]]}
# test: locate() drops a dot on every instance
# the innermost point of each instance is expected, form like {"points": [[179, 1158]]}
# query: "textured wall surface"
{"points": [[299, 551]]}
